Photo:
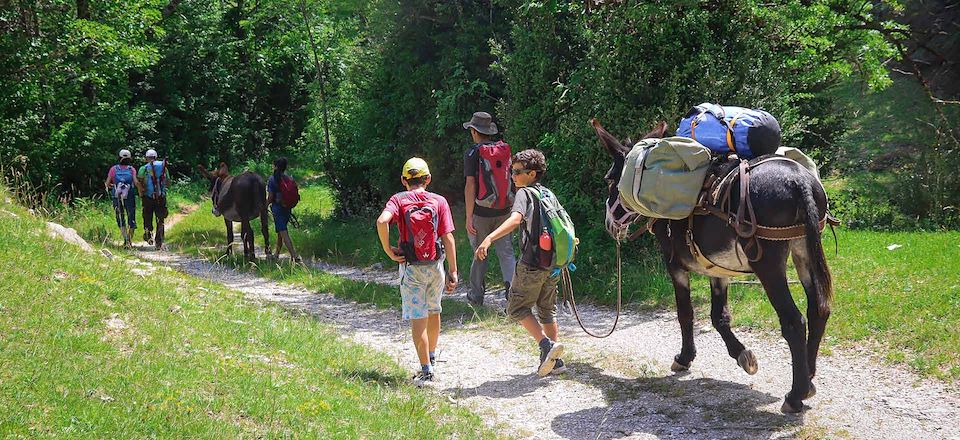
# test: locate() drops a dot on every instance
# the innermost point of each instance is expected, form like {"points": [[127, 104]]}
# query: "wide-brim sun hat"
{"points": [[414, 168], [482, 122]]}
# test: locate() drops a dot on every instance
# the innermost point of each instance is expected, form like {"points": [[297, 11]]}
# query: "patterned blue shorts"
{"points": [[421, 287]]}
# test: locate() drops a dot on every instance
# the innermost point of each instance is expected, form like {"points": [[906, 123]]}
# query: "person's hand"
{"points": [[470, 229], [396, 255], [481, 252], [451, 281]]}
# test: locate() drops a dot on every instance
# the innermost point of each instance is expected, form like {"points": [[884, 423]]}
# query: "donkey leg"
{"points": [[265, 230], [229, 225], [772, 272], [816, 321], [681, 289], [720, 316], [246, 235]]}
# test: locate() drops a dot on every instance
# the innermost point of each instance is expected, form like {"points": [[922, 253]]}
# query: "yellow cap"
{"points": [[415, 167]]}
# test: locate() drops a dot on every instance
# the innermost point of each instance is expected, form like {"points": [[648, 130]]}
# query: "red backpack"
{"points": [[495, 189], [289, 192], [419, 222]]}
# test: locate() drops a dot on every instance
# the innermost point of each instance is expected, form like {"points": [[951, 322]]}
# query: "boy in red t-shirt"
{"points": [[424, 244]]}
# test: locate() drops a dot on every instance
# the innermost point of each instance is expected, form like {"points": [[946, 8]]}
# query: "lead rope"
{"points": [[568, 295]]}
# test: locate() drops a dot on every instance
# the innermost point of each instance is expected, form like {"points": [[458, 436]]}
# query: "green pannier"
{"points": [[662, 177]]}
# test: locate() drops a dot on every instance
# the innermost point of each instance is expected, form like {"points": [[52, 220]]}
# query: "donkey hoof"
{"points": [[677, 366], [812, 392], [748, 361], [787, 408]]}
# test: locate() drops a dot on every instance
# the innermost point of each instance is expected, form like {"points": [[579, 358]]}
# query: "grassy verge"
{"points": [[203, 234], [94, 219], [906, 300], [90, 349], [902, 300]]}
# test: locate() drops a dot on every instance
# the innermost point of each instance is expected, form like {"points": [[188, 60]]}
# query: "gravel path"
{"points": [[622, 387]]}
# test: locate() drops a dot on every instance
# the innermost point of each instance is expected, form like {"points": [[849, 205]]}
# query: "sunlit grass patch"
{"points": [[90, 348]]}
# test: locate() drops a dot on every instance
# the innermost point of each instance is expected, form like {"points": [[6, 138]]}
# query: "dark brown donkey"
{"points": [[785, 197], [239, 198]]}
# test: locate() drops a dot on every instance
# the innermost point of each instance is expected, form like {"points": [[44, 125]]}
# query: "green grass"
{"points": [[191, 360], [906, 300], [202, 233], [93, 217], [903, 301]]}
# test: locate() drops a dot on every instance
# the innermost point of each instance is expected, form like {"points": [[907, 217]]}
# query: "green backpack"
{"points": [[555, 221]]}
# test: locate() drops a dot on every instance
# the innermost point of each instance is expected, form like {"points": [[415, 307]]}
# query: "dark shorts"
{"points": [[533, 286], [281, 216]]}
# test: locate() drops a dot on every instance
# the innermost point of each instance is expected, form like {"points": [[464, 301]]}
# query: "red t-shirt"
{"points": [[445, 220]]}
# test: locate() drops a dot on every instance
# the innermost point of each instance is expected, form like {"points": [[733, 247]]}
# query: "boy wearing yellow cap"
{"points": [[426, 240]]}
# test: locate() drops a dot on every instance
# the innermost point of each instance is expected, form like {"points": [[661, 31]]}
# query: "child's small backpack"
{"points": [[494, 189], [557, 238], [289, 192], [419, 222]]}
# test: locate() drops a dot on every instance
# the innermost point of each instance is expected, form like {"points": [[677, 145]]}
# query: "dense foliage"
{"points": [[352, 88]]}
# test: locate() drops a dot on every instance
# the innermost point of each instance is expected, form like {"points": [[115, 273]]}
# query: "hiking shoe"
{"points": [[559, 367], [476, 302], [548, 357], [423, 379], [148, 237]]}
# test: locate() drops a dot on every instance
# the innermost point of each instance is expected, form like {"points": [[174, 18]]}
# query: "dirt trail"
{"points": [[621, 387]]}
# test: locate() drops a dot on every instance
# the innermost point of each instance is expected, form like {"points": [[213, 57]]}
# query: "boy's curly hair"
{"points": [[532, 160]]}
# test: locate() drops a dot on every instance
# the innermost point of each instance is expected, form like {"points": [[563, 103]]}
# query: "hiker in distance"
{"points": [[282, 195], [533, 284], [426, 240], [488, 195], [154, 180], [121, 179]]}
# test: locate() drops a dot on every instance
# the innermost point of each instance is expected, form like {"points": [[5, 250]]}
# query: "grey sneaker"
{"points": [[559, 367], [548, 357], [423, 379]]}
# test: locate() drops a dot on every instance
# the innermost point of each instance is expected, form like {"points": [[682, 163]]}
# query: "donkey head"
{"points": [[618, 216], [221, 172]]}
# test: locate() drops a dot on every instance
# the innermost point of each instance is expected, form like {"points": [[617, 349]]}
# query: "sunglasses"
{"points": [[516, 171]]}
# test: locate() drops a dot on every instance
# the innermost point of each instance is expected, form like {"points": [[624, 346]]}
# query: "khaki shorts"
{"points": [[533, 287]]}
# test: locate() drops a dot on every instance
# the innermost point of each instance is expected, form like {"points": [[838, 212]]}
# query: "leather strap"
{"points": [[712, 268]]}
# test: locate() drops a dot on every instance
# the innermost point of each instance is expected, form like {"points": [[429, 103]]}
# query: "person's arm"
{"points": [[109, 181], [469, 198], [138, 182], [383, 232], [507, 227], [270, 196], [450, 247]]}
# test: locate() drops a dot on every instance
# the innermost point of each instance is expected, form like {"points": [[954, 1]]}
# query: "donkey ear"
{"points": [[661, 128], [610, 143], [658, 132], [204, 172]]}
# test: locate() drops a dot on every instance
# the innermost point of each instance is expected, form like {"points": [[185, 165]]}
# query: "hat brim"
{"points": [[488, 130]]}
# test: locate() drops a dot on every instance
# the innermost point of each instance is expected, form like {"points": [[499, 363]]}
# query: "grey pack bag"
{"points": [[662, 178]]}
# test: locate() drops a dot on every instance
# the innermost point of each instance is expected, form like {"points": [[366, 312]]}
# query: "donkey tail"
{"points": [[820, 273]]}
